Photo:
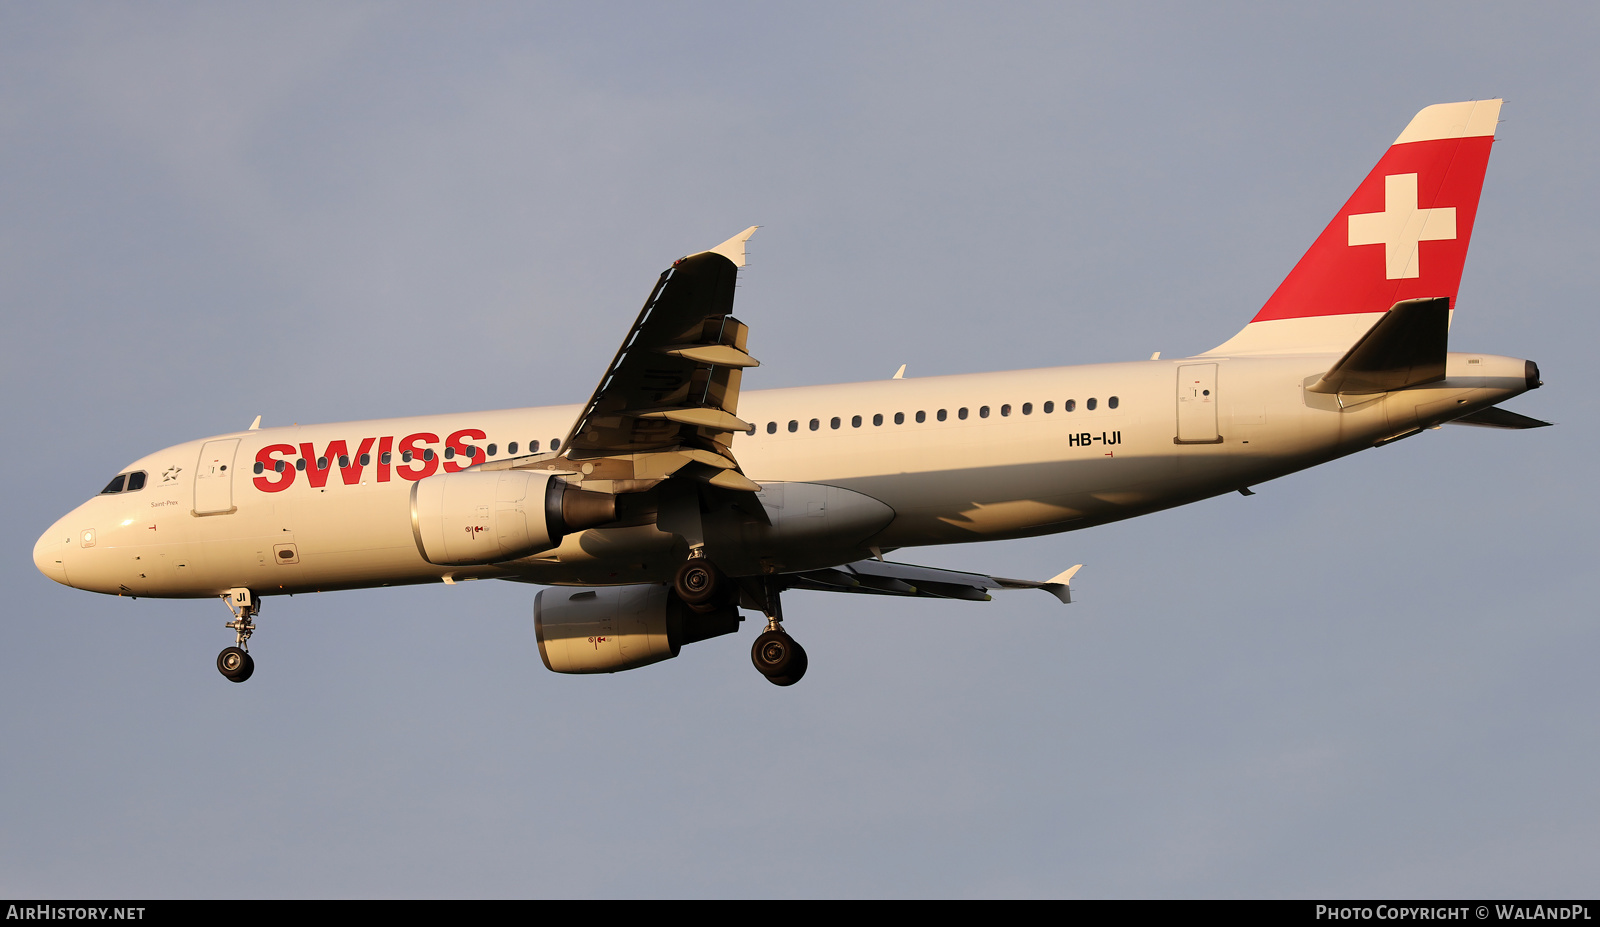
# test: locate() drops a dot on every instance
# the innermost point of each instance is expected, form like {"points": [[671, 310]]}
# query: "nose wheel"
{"points": [[235, 662]]}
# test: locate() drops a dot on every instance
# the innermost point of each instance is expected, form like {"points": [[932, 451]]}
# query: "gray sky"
{"points": [[1371, 679]]}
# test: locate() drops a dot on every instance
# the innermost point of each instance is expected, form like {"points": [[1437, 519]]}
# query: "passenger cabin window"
{"points": [[1089, 405], [1049, 407], [983, 411], [492, 449], [1070, 405], [510, 448], [1027, 408], [855, 421], [899, 418], [1005, 409], [1111, 403], [793, 426], [943, 415], [555, 444], [961, 413], [533, 447], [772, 428], [834, 422], [877, 419]]}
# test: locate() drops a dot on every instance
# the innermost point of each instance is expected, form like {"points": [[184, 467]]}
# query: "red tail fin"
{"points": [[1402, 235]]}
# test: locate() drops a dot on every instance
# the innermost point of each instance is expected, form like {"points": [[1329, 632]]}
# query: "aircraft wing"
{"points": [[668, 403], [877, 577]]}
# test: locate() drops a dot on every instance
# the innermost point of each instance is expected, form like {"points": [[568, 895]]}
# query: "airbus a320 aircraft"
{"points": [[670, 500]]}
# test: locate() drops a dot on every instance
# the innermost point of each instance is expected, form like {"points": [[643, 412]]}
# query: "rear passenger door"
{"points": [[1197, 404]]}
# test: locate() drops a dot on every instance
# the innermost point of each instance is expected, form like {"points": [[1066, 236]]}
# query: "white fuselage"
{"points": [[1018, 464]]}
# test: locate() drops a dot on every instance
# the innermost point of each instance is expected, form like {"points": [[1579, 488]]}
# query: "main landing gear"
{"points": [[705, 589], [702, 586], [776, 655], [235, 662]]}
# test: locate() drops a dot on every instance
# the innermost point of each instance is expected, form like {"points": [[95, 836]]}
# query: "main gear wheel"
{"points": [[779, 657]]}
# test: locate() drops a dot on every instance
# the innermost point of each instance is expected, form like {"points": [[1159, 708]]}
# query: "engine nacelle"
{"points": [[477, 516], [615, 628]]}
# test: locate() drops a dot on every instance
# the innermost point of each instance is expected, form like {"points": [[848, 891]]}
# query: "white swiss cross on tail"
{"points": [[1401, 226]]}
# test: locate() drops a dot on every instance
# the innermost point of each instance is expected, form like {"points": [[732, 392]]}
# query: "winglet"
{"points": [[1060, 585], [256, 425], [733, 248]]}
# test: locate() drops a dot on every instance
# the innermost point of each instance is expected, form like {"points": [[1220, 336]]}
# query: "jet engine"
{"points": [[473, 517], [615, 628]]}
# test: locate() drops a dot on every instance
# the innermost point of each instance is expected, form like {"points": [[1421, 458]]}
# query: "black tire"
{"points": [[797, 668], [700, 584], [235, 664], [774, 654]]}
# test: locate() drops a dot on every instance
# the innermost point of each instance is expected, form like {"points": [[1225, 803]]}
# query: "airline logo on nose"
{"points": [[1401, 226]]}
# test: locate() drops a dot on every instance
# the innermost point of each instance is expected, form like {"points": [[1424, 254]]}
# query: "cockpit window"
{"points": [[125, 482]]}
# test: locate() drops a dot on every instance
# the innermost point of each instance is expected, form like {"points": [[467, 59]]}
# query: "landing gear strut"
{"points": [[775, 654], [235, 662]]}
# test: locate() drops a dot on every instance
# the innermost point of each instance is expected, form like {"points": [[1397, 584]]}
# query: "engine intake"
{"points": [[616, 628], [473, 517]]}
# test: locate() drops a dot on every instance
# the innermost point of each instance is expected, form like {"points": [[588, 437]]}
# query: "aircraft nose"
{"points": [[50, 553]]}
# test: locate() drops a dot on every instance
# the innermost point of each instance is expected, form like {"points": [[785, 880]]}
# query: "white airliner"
{"points": [[670, 499]]}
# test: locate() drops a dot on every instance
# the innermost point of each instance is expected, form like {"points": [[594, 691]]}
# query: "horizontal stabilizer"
{"points": [[1495, 417], [1406, 347]]}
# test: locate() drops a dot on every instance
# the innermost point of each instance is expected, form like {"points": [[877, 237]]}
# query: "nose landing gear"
{"points": [[235, 662]]}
